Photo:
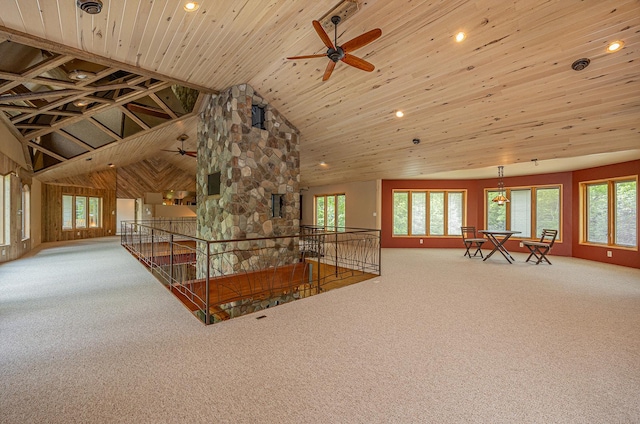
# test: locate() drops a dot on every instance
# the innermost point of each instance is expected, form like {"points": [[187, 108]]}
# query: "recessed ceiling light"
{"points": [[191, 6], [460, 36], [79, 75], [323, 163], [399, 114], [81, 102], [615, 46], [111, 165]]}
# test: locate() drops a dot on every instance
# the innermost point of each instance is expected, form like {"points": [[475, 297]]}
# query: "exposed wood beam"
{"points": [[104, 129], [75, 140], [133, 117], [163, 105], [45, 150], [37, 95], [32, 126], [20, 37], [122, 100], [43, 172], [36, 70], [148, 110]]}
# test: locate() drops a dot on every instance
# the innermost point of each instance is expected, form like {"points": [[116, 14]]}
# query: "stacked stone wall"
{"points": [[254, 164]]}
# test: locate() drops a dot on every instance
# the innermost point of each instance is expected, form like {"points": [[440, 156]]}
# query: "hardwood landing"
{"points": [[260, 286]]}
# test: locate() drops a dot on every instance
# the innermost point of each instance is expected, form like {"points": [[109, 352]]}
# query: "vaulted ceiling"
{"points": [[505, 95]]}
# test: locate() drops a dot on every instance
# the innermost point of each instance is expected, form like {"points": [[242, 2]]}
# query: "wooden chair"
{"points": [[540, 248], [470, 241]]}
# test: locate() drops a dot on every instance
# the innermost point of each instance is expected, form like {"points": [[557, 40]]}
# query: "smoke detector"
{"points": [[92, 7]]}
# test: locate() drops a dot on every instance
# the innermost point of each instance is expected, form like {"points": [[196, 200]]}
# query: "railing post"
{"points": [[320, 249], [336, 249], [171, 262], [379, 254], [153, 257], [207, 315]]}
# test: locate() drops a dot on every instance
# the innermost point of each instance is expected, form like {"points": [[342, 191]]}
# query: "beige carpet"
{"points": [[87, 335]]}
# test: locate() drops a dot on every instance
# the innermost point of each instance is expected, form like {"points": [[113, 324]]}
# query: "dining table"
{"points": [[498, 238]]}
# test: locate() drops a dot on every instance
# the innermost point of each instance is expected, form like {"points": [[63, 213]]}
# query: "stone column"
{"points": [[254, 164]]}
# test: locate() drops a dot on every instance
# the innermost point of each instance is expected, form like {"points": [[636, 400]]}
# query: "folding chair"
{"points": [[539, 249], [470, 240]]}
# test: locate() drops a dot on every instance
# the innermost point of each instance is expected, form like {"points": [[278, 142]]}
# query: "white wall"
{"points": [[125, 211], [361, 198]]}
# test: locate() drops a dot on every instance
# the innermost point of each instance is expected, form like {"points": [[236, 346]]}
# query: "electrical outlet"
{"points": [[4, 252], [521, 244], [420, 241], [78, 232], [609, 253]]}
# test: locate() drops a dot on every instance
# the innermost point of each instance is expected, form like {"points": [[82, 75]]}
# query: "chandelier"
{"points": [[500, 199]]}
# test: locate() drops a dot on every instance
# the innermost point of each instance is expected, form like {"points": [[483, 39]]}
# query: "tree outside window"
{"points": [[529, 211], [609, 212], [427, 213], [330, 211]]}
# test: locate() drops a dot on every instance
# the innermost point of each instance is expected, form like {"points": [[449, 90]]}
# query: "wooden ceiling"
{"points": [[505, 95]]}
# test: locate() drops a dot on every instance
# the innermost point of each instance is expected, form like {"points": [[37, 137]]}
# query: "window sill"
{"points": [[610, 246]]}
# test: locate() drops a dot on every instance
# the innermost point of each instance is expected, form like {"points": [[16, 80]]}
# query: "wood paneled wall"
{"points": [[14, 245], [152, 176], [52, 213], [100, 179]]}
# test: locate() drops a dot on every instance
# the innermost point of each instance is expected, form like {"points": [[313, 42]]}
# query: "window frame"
{"points": [[335, 211], [428, 192], [26, 212], [611, 212], [534, 211], [87, 219]]}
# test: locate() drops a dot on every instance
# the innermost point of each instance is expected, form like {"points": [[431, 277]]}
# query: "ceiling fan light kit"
{"points": [[337, 53]]}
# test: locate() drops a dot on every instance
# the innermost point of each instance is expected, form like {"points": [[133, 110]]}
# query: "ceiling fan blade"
{"points": [[172, 151], [329, 70], [362, 40], [192, 154], [323, 35], [356, 62], [311, 56]]}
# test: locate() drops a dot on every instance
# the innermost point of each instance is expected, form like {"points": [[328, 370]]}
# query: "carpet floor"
{"points": [[87, 335]]}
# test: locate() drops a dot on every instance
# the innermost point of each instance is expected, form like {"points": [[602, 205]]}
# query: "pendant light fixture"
{"points": [[500, 199]]}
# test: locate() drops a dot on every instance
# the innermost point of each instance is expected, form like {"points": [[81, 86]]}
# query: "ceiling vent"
{"points": [[580, 64], [92, 7]]}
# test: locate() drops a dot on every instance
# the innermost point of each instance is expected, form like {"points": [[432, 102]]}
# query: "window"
{"points": [[610, 212], [330, 211], [26, 212], [213, 184], [257, 116], [428, 213], [530, 210], [81, 212]]}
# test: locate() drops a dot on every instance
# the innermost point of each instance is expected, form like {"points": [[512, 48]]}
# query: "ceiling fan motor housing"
{"points": [[92, 7], [335, 54]]}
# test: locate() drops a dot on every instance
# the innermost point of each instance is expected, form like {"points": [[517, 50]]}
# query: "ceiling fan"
{"points": [[181, 150], [336, 53]]}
